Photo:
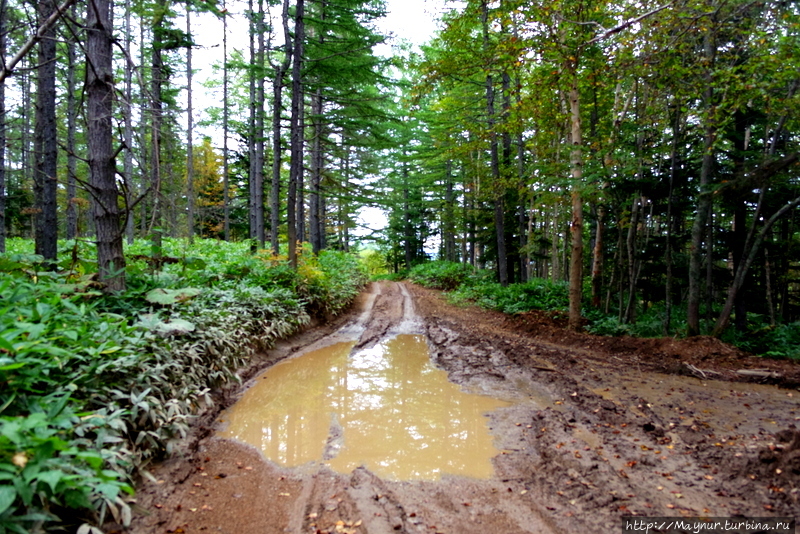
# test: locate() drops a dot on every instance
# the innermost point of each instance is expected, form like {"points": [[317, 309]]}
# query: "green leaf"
{"points": [[167, 297], [51, 478], [7, 496]]}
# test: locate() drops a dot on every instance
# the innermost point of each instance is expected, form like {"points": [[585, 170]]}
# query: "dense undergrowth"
{"points": [[464, 285], [95, 387]]}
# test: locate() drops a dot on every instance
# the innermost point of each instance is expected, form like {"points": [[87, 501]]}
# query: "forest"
{"points": [[632, 165]]}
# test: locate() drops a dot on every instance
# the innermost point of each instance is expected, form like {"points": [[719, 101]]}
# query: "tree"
{"points": [[99, 113], [45, 139]]}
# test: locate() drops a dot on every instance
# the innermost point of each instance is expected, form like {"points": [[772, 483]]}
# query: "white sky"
{"points": [[414, 21]]}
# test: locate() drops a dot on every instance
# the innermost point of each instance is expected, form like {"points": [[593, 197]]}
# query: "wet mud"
{"points": [[596, 430]]}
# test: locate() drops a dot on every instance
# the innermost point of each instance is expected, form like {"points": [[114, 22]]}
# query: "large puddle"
{"points": [[387, 408]]}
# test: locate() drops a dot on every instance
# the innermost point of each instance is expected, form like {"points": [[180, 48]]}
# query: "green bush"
{"points": [[445, 275], [536, 294], [96, 386]]}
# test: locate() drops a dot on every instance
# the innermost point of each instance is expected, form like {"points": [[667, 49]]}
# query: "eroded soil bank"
{"points": [[599, 428]]}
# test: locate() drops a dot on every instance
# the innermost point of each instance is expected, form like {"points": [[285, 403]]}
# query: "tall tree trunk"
{"points": [[576, 229], [156, 135], [296, 131], [315, 222], [46, 143], [72, 160], [673, 168], [448, 224], [260, 233], [704, 198], [128, 132], [226, 193], [3, 19], [277, 148], [189, 134], [251, 123], [497, 185], [597, 257], [99, 109]]}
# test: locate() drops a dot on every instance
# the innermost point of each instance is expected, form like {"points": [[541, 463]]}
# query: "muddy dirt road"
{"points": [[598, 429]]}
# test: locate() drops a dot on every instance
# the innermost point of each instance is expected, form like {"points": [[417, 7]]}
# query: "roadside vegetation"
{"points": [[95, 387], [466, 285]]}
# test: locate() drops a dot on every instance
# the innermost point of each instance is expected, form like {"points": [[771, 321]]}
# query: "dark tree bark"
{"points": [[72, 160], [277, 146], [498, 201], [3, 18], [296, 132], [45, 140], [576, 228], [99, 109], [704, 198], [128, 133], [189, 134], [258, 189], [156, 123], [315, 220]]}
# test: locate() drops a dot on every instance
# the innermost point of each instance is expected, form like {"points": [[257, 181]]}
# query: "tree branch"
{"points": [[6, 69]]}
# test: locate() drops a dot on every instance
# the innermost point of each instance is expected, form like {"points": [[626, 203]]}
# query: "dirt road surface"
{"points": [[599, 428]]}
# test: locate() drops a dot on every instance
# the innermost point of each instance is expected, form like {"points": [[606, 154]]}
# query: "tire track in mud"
{"points": [[587, 441]]}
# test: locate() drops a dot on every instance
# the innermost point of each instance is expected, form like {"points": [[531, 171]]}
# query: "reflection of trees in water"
{"points": [[398, 414]]}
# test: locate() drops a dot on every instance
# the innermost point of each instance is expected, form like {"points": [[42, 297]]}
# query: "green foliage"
{"points": [[96, 387], [537, 294], [445, 275], [780, 341]]}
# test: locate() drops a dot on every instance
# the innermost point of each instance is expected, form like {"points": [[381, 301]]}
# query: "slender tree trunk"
{"points": [[668, 244], [72, 160], [277, 110], [251, 126], [296, 131], [128, 133], [102, 169], [315, 222], [597, 258], [226, 193], [741, 272], [704, 197], [497, 185], [260, 137], [3, 19], [46, 143], [189, 134], [448, 226], [156, 105], [576, 229]]}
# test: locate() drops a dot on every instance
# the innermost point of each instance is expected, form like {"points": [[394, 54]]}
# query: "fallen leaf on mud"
{"points": [[206, 507], [670, 506], [623, 474], [221, 475], [561, 493], [578, 454], [560, 445], [192, 509], [159, 506], [631, 463]]}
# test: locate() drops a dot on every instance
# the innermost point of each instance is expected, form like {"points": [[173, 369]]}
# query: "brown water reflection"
{"points": [[387, 408]]}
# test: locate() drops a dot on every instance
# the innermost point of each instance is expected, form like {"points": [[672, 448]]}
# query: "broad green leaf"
{"points": [[7, 496]]}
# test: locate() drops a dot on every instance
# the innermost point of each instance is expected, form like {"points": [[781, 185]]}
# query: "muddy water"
{"points": [[387, 408]]}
